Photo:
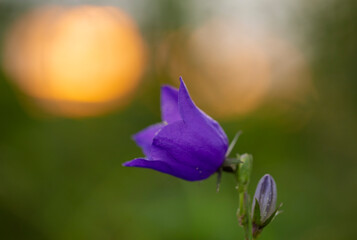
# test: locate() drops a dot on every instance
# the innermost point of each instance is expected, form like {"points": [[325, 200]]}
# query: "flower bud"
{"points": [[266, 195], [245, 169]]}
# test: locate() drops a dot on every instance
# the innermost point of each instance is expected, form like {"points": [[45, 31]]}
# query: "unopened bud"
{"points": [[264, 204], [245, 169], [266, 195]]}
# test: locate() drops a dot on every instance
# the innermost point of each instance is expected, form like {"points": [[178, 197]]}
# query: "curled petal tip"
{"points": [[183, 84], [126, 164]]}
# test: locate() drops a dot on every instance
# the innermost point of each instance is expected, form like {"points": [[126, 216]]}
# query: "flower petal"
{"points": [[145, 163], [144, 138], [194, 116], [199, 149], [169, 104], [170, 168]]}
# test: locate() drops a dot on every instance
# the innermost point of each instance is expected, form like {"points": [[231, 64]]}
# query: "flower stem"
{"points": [[243, 177], [244, 214]]}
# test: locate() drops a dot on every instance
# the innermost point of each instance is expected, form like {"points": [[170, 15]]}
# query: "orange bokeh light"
{"points": [[78, 61], [226, 69], [232, 70]]}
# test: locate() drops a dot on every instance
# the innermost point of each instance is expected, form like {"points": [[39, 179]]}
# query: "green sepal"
{"points": [[256, 214], [272, 216], [233, 143]]}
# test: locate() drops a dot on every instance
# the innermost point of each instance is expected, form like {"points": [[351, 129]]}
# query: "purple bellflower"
{"points": [[187, 144]]}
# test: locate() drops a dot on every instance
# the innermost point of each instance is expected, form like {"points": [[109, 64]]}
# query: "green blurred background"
{"points": [[61, 177]]}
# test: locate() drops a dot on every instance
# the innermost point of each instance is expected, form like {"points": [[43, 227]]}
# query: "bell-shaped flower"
{"points": [[188, 144]]}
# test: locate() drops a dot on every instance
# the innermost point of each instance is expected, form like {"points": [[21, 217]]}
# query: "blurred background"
{"points": [[78, 78]]}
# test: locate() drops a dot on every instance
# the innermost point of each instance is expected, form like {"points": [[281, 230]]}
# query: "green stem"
{"points": [[244, 214], [241, 204], [243, 176]]}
